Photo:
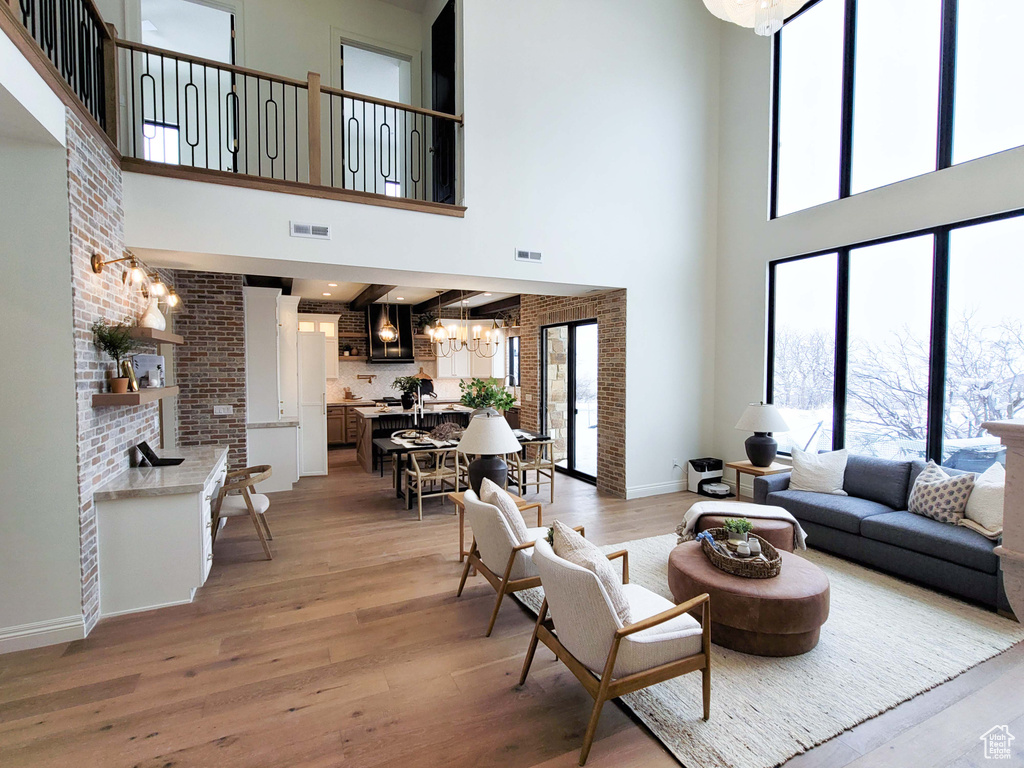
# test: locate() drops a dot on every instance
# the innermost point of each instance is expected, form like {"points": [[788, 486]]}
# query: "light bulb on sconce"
{"points": [[172, 299], [158, 289]]}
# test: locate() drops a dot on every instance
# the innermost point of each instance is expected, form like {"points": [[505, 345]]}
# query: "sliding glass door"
{"points": [[569, 365]]}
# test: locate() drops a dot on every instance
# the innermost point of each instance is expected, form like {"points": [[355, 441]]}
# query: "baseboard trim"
{"points": [[144, 608], [37, 634], [655, 489]]}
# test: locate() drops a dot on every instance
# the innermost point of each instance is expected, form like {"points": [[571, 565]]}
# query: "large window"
{"points": [[872, 92], [804, 293], [902, 348]]}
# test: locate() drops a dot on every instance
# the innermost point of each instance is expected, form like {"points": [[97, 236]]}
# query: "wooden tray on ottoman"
{"points": [[767, 566]]}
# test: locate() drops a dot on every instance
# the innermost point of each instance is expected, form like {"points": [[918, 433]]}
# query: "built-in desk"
{"points": [[154, 528]]}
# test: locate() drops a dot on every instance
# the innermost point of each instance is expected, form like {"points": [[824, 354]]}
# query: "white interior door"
{"points": [[288, 317], [312, 405]]}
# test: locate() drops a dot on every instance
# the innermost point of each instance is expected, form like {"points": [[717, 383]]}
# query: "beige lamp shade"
{"points": [[761, 417], [488, 435], [765, 17]]}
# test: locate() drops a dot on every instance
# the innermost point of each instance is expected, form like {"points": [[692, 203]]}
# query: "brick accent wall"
{"points": [[105, 434], [609, 309], [210, 366]]}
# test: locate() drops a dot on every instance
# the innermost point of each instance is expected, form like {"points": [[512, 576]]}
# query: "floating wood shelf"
{"points": [[141, 397], [352, 358], [159, 337], [350, 335]]}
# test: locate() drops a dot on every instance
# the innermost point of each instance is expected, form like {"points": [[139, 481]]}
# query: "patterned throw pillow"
{"points": [[570, 546], [493, 494], [939, 496]]}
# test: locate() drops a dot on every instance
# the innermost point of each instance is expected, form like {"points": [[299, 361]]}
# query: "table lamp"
{"points": [[761, 419], [489, 437]]}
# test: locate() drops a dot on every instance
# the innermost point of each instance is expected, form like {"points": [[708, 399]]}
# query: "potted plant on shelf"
{"points": [[409, 386], [426, 320], [117, 342], [737, 528], [486, 393]]}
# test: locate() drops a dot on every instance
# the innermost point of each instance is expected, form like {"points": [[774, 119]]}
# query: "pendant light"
{"points": [[387, 333], [765, 17]]}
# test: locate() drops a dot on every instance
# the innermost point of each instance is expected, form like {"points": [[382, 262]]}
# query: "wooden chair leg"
{"points": [[552, 486], [595, 716], [214, 528], [706, 674], [528, 662], [419, 501], [259, 531], [497, 605], [266, 527], [465, 571]]}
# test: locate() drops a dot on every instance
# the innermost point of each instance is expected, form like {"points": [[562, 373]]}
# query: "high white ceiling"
{"points": [[345, 292], [416, 6]]}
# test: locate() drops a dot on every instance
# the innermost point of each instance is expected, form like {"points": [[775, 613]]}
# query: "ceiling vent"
{"points": [[533, 257], [314, 231]]}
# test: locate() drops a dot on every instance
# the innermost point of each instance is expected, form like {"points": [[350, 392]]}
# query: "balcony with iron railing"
{"points": [[167, 113]]}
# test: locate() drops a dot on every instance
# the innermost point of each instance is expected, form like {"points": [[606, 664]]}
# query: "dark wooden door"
{"points": [[442, 65]]}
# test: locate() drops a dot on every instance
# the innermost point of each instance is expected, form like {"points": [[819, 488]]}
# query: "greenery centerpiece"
{"points": [[737, 528], [409, 387], [117, 342], [486, 393]]}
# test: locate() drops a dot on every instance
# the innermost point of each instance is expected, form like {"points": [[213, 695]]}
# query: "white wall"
{"points": [[747, 241], [591, 135], [40, 575]]}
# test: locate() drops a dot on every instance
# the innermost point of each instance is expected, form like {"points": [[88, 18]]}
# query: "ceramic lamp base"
{"points": [[493, 468], [761, 449]]}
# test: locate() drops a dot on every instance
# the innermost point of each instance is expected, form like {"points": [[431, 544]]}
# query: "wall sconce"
{"points": [[138, 275]]}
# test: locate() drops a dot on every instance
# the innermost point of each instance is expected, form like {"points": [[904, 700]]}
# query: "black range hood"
{"points": [[401, 317]]}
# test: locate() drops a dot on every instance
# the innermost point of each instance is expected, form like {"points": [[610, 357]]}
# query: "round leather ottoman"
{"points": [[778, 533], [781, 616]]}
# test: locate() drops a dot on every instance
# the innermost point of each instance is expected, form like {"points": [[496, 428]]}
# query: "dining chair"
{"points": [[384, 427], [539, 458], [586, 634], [430, 473], [496, 549], [236, 499]]}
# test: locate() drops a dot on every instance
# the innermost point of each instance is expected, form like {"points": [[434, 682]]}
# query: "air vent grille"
{"points": [[532, 257], [314, 231]]}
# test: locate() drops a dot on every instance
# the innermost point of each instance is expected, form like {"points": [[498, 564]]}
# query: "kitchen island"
{"points": [[368, 419]]}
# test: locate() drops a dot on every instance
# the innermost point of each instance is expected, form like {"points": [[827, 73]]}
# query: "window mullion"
{"points": [[842, 348], [849, 62], [939, 336], [947, 84]]}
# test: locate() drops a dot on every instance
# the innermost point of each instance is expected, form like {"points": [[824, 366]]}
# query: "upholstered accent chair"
{"points": [[496, 550], [236, 499], [586, 634]]}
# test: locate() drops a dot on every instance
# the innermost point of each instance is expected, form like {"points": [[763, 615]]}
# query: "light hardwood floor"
{"points": [[350, 649]]}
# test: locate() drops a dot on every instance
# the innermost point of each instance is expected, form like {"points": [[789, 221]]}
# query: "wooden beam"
{"points": [[369, 295], [495, 307], [446, 299]]}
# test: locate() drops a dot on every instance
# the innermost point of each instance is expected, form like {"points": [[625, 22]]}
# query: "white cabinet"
{"points": [[262, 396], [328, 326], [312, 405], [288, 355]]}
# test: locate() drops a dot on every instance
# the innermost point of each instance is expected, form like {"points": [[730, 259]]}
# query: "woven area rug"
{"points": [[885, 642]]}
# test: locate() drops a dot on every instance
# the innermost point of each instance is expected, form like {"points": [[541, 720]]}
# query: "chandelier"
{"points": [[479, 341], [765, 17], [387, 333]]}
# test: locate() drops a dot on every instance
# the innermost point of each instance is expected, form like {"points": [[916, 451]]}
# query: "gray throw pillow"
{"points": [[939, 496]]}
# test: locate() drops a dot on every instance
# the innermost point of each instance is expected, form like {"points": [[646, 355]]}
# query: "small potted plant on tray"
{"points": [[117, 342], [409, 386], [737, 528]]}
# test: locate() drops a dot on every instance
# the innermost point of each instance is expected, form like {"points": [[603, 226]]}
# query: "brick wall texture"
{"points": [[105, 434], [210, 365], [609, 309]]}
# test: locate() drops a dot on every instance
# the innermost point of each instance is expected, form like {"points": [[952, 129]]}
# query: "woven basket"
{"points": [[747, 567]]}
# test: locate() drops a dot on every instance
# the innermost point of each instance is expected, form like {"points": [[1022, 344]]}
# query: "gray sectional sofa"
{"points": [[872, 526]]}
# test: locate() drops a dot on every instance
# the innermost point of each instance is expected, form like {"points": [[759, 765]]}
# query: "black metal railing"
{"points": [[209, 115], [389, 149], [72, 35]]}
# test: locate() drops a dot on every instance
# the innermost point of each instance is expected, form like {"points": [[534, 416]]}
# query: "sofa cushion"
{"points": [[882, 480], [951, 543], [842, 512]]}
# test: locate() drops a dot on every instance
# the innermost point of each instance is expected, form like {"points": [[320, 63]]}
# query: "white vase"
{"points": [[152, 318]]}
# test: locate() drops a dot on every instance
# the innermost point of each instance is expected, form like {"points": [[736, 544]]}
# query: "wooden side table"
{"points": [[746, 468], [459, 500]]}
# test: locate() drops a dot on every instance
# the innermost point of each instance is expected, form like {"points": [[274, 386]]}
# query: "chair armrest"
{"points": [[540, 511], [664, 616], [528, 544], [769, 484], [624, 554]]}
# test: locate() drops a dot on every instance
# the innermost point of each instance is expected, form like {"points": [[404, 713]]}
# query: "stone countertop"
{"points": [[360, 401], [272, 424], [191, 476], [373, 413]]}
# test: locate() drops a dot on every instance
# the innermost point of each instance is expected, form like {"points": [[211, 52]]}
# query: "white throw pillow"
{"points": [[819, 472], [985, 505], [493, 494], [569, 545]]}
